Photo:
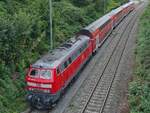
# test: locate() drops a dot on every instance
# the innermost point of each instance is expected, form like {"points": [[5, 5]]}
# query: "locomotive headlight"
{"points": [[46, 85], [31, 84], [39, 85]]}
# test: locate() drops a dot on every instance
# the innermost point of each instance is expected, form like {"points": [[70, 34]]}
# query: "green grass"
{"points": [[140, 87]]}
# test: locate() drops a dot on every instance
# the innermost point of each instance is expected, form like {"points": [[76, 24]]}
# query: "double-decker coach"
{"points": [[117, 16], [98, 31], [128, 7], [119, 13]]}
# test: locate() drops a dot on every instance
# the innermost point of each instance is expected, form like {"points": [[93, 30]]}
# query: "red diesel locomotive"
{"points": [[49, 76]]}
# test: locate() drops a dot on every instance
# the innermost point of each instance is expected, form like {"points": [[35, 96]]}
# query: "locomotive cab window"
{"points": [[45, 74], [34, 72], [41, 73]]}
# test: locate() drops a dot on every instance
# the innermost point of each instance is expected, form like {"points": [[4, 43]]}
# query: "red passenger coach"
{"points": [[98, 31], [117, 16], [128, 7]]}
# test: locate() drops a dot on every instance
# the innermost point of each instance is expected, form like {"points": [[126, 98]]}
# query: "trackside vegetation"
{"points": [[139, 89], [24, 37]]}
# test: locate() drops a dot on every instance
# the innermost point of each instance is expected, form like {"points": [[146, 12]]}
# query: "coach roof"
{"points": [[98, 23], [127, 4], [94, 26], [115, 11]]}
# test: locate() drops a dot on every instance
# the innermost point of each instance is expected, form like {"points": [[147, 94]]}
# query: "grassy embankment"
{"points": [[139, 89]]}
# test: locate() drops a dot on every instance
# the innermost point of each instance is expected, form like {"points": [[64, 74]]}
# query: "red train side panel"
{"points": [[63, 78]]}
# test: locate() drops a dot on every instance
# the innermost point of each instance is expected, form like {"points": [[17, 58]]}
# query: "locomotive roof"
{"points": [[58, 55]]}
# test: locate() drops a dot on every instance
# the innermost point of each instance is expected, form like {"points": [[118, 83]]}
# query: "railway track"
{"points": [[98, 93]]}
